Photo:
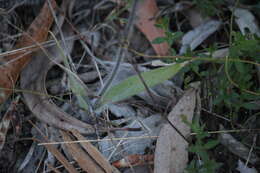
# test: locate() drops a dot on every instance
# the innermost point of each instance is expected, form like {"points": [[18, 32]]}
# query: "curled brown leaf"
{"points": [[14, 63]]}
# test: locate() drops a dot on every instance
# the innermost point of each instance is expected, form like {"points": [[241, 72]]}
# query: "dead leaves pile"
{"points": [[171, 155], [12, 65]]}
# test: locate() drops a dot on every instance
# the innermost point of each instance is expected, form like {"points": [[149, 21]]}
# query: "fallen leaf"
{"points": [[195, 37], [171, 155], [60, 157], [246, 20], [146, 12], [243, 168], [131, 143], [134, 160], [94, 153], [84, 160], [146, 19], [33, 79], [5, 122], [52, 168], [236, 147], [55, 152], [13, 64]]}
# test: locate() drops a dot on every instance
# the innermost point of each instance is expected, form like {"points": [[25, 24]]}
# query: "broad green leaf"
{"points": [[159, 40], [133, 85]]}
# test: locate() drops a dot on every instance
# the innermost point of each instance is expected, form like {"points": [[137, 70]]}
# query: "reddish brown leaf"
{"points": [[56, 153], [134, 160], [60, 157], [84, 160], [146, 11], [14, 63], [94, 153]]}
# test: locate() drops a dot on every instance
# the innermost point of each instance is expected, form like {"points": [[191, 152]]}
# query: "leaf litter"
{"points": [[125, 126]]}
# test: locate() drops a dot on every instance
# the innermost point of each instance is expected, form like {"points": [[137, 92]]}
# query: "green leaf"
{"points": [[211, 144], [194, 149], [173, 52], [133, 85], [218, 100], [165, 22], [240, 67], [251, 106], [177, 35], [158, 25], [159, 40]]}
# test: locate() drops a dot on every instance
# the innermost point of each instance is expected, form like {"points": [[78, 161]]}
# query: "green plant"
{"points": [[244, 47], [133, 85], [233, 83], [170, 37], [200, 148]]}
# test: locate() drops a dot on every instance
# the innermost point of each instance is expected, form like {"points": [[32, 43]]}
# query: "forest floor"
{"points": [[130, 86]]}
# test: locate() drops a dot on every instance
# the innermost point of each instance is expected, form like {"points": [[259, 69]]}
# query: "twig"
{"points": [[251, 150]]}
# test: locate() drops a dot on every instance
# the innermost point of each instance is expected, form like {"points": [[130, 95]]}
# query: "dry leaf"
{"points": [[146, 12], [94, 153], [236, 147], [84, 160], [5, 122], [33, 78], [52, 168], [243, 168], [195, 37], [134, 160], [14, 63], [61, 158], [58, 155], [171, 154], [246, 20]]}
